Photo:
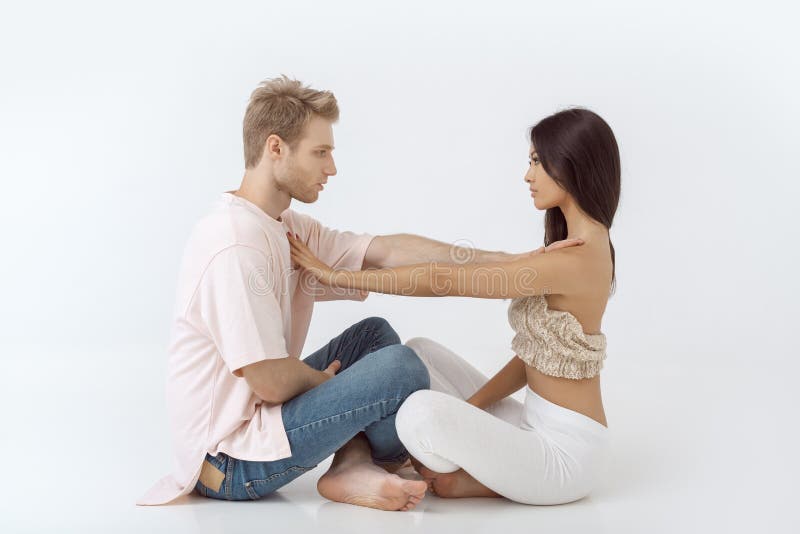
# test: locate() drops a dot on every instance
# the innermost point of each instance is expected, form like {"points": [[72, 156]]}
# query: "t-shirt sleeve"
{"points": [[339, 249], [239, 307]]}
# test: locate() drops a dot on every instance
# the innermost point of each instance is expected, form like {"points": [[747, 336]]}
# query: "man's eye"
{"points": [[322, 152]]}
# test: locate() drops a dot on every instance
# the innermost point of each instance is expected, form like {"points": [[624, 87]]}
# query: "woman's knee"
{"points": [[427, 349], [417, 415], [434, 354], [419, 426], [420, 345]]}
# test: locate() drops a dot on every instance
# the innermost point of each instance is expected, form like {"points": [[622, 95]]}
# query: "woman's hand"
{"points": [[564, 243], [302, 256]]}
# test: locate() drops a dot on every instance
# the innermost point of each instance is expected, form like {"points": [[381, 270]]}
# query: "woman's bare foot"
{"points": [[365, 484], [394, 467], [454, 485]]}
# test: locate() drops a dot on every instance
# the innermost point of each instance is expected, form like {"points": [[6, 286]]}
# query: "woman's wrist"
{"points": [[473, 401], [338, 278]]}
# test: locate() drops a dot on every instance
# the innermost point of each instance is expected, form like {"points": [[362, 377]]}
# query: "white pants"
{"points": [[532, 453]]}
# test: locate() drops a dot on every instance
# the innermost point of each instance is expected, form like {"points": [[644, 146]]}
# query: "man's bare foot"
{"points": [[365, 484], [454, 485]]}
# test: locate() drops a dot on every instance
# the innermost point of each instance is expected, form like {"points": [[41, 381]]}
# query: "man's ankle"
{"points": [[355, 450]]}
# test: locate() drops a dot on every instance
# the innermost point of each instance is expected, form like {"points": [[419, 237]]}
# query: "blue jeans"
{"points": [[376, 376]]}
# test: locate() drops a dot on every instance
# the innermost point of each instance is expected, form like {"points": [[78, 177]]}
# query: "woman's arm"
{"points": [[507, 381], [405, 249], [557, 272]]}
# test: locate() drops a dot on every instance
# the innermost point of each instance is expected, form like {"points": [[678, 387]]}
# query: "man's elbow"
{"points": [[274, 391], [379, 253], [268, 395], [271, 386]]}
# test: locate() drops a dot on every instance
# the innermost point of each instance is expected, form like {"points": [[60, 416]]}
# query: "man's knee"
{"points": [[383, 328], [416, 369], [401, 365]]}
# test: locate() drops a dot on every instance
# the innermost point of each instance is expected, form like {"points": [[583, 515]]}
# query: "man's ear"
{"points": [[274, 147]]}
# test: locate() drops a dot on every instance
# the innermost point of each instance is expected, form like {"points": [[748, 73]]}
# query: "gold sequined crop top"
{"points": [[553, 341]]}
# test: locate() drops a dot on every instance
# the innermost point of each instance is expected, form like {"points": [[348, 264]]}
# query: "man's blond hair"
{"points": [[283, 107]]}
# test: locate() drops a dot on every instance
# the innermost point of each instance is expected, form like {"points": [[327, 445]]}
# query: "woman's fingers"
{"points": [[301, 252], [565, 243], [299, 248], [305, 258], [302, 260], [300, 256]]}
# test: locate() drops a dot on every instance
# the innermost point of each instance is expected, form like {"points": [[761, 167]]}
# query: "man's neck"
{"points": [[262, 191]]}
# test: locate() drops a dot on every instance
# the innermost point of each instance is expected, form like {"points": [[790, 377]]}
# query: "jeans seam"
{"points": [[229, 479], [278, 475], [383, 401]]}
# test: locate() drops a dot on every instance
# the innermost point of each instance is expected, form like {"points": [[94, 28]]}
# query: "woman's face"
{"points": [[546, 193]]}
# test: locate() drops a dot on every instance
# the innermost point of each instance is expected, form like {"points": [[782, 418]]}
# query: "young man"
{"points": [[247, 415]]}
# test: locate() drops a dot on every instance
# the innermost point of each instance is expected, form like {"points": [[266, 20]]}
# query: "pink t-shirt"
{"points": [[239, 302]]}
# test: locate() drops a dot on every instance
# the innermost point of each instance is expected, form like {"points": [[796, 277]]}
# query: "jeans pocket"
{"points": [[261, 487], [211, 482]]}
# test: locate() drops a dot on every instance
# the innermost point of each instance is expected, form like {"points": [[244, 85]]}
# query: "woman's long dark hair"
{"points": [[579, 151]]}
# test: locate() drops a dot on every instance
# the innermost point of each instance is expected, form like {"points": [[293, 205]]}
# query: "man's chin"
{"points": [[308, 199]]}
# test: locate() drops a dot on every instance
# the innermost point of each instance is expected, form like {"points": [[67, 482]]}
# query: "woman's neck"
{"points": [[580, 225]]}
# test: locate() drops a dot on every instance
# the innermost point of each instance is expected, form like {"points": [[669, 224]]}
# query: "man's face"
{"points": [[307, 166]]}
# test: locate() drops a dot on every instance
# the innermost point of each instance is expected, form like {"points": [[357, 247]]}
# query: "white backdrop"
{"points": [[121, 123]]}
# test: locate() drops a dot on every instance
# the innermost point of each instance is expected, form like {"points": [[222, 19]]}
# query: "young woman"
{"points": [[467, 437]]}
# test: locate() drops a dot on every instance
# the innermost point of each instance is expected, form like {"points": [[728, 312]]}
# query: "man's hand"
{"points": [[333, 368], [320, 377]]}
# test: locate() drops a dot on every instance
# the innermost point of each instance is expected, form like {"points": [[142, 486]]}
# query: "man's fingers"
{"points": [[333, 367]]}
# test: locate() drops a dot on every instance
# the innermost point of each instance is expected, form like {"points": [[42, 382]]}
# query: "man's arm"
{"points": [[404, 249], [278, 380], [507, 381]]}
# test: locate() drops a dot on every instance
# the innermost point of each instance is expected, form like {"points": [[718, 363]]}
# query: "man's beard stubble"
{"points": [[290, 182]]}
